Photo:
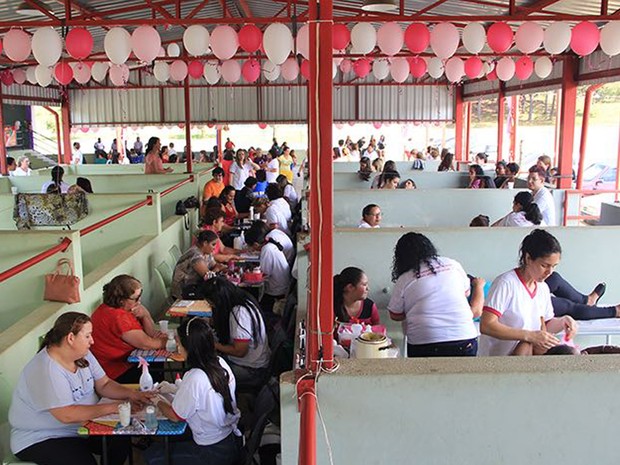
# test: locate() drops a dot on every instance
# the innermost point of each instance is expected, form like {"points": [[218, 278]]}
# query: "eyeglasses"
{"points": [[136, 299]]}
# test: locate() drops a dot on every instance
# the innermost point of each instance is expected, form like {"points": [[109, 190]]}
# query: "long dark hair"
{"points": [[151, 144], [532, 212], [257, 234], [223, 297], [197, 338], [223, 195], [350, 275], [539, 243], [446, 162], [411, 251], [70, 322]]}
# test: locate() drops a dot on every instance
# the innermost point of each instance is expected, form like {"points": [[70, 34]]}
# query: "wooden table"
{"points": [[182, 308]]}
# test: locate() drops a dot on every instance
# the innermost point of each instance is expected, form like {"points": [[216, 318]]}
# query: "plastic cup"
{"points": [[124, 413], [511, 185], [163, 326], [14, 190]]}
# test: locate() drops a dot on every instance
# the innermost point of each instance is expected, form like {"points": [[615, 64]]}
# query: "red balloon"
{"points": [[0, 46], [341, 36], [7, 78], [584, 38], [250, 38], [417, 37], [63, 73], [473, 67], [492, 76], [305, 69], [250, 70], [262, 125], [361, 67], [79, 43], [417, 67], [195, 69], [499, 37], [524, 67]]}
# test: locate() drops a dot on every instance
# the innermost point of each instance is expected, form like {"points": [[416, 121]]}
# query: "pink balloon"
{"points": [[178, 70], [81, 73], [417, 37], [345, 66], [305, 68], [473, 67], [390, 38], [17, 45], [145, 43], [7, 78], [250, 70], [417, 67], [499, 37], [445, 40], [0, 46], [289, 69], [119, 74], [63, 73], [377, 125], [262, 125], [224, 42], [455, 69], [529, 37], [361, 67], [341, 36], [399, 70], [524, 67], [351, 123], [492, 76], [584, 38], [339, 125], [19, 75], [195, 69], [505, 69], [231, 71], [79, 43], [250, 38], [84, 129]]}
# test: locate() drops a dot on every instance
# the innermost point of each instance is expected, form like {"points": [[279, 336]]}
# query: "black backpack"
{"points": [[180, 209]]}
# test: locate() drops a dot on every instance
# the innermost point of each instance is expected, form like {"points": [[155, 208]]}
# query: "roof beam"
{"points": [[42, 9], [198, 9], [159, 9], [247, 11], [429, 8], [536, 7]]}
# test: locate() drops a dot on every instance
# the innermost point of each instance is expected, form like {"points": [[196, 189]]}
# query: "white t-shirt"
{"points": [[238, 175], [64, 187], [278, 273], [272, 176], [435, 305], [279, 213], [240, 324], [544, 199], [20, 172], [517, 307], [203, 408], [291, 194], [281, 238], [516, 219], [362, 224], [77, 158]]}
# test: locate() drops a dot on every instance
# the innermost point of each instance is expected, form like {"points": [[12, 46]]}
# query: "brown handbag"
{"points": [[60, 287]]}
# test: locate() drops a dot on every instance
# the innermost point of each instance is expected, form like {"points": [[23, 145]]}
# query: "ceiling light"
{"points": [[27, 9], [380, 5]]}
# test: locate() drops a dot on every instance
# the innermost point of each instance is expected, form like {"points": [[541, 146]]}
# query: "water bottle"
{"points": [[251, 213], [171, 345], [150, 421], [146, 380]]}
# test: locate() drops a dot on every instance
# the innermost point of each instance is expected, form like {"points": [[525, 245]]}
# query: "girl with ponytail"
{"points": [[351, 302], [524, 212]]}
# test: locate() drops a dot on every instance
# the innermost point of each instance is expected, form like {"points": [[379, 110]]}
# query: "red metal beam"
{"points": [[198, 9], [188, 126], [536, 6], [501, 118], [3, 166], [568, 110], [159, 9], [604, 6], [118, 11], [429, 8], [487, 3], [64, 245], [514, 121], [65, 110], [110, 219], [177, 185], [43, 10], [306, 396], [585, 123], [247, 11]]}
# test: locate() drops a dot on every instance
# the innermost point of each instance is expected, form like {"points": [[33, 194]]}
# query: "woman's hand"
{"points": [[140, 311], [140, 399], [570, 327], [542, 339]]}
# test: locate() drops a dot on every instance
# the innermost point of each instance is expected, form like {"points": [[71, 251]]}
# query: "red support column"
{"points": [[458, 123], [568, 110], [514, 121], [218, 142], [306, 395], [4, 170], [66, 129], [188, 126], [467, 129], [584, 132], [501, 118]]}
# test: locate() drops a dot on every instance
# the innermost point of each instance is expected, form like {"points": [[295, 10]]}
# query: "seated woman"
{"points": [[447, 163], [260, 229], [500, 174], [205, 400], [518, 316], [81, 185], [365, 171], [512, 170], [288, 191], [475, 176], [214, 221], [430, 295], [390, 180], [120, 325], [351, 302], [195, 266], [408, 184], [278, 213], [524, 212], [379, 181], [371, 216], [58, 390], [227, 197]]}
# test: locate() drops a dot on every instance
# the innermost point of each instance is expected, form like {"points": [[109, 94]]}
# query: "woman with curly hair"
{"points": [[430, 295]]}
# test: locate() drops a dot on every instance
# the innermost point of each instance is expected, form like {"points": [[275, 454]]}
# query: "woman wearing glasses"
{"points": [[120, 325], [371, 216]]}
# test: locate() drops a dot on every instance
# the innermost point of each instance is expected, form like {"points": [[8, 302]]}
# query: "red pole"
{"points": [[467, 129], [585, 124], [458, 123], [514, 117], [501, 117], [218, 142], [307, 428], [567, 122], [4, 170], [58, 136], [64, 244], [66, 129], [188, 127]]}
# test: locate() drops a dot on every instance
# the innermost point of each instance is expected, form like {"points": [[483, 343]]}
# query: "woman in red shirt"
{"points": [[227, 197], [120, 325]]}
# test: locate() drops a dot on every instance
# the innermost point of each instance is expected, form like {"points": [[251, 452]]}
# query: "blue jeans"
{"points": [[225, 452], [464, 348]]}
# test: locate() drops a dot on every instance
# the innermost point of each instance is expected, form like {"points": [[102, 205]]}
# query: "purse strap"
{"points": [[61, 263]]}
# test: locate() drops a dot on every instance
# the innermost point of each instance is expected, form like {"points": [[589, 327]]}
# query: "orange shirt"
{"points": [[212, 189]]}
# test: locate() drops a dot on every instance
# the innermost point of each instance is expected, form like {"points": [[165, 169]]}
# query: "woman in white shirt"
{"points": [[542, 196], [371, 217], [288, 191], [430, 295], [278, 213], [241, 169], [524, 212], [23, 167], [205, 400]]}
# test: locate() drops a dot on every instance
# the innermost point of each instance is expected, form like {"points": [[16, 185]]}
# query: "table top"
{"points": [[182, 308], [153, 355], [164, 428]]}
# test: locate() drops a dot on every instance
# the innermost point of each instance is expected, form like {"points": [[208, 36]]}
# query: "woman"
{"points": [[81, 185], [278, 213], [263, 232], [365, 170], [512, 170], [391, 180], [355, 152], [286, 161], [447, 164], [379, 180], [475, 177], [542, 195], [430, 295], [57, 391], [241, 169], [408, 184], [481, 158], [371, 217], [288, 191], [122, 324], [351, 302], [195, 266], [240, 329], [23, 167], [524, 212], [152, 161], [227, 197], [500, 174], [164, 154], [518, 315], [227, 161], [206, 400], [214, 221]]}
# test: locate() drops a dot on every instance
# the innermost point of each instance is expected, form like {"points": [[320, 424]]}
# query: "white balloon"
{"points": [[543, 67], [19, 75], [173, 50], [117, 45], [277, 42], [302, 41], [231, 71], [390, 38], [557, 38], [212, 71], [161, 71], [399, 69], [444, 40], [380, 69], [529, 37], [195, 40], [505, 69], [224, 42], [271, 71], [487, 67], [474, 37], [290, 69], [610, 38], [30, 75], [99, 71], [363, 38], [46, 46], [43, 75], [455, 69], [435, 67], [81, 73]]}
